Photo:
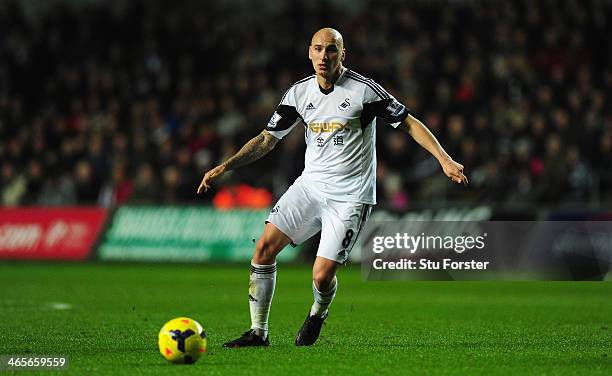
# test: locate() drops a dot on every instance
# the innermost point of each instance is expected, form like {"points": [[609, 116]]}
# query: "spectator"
{"points": [[146, 188], [118, 189], [13, 185], [57, 190], [87, 189]]}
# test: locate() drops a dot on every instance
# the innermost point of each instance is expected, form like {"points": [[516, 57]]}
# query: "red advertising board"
{"points": [[49, 233]]}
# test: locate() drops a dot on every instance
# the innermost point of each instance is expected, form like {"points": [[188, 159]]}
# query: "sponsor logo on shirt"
{"points": [[325, 126]]}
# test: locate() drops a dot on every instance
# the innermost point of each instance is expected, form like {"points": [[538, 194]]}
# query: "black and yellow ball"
{"points": [[182, 341]]}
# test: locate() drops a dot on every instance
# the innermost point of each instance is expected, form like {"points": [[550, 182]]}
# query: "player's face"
{"points": [[326, 54]]}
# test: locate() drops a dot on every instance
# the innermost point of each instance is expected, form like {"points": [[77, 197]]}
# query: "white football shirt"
{"points": [[340, 132]]}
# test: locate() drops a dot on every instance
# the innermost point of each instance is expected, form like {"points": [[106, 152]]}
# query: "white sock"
{"points": [[323, 299], [261, 289]]}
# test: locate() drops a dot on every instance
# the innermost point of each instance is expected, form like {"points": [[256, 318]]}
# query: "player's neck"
{"points": [[327, 82]]}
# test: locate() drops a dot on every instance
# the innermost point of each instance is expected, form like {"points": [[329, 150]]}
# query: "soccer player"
{"points": [[334, 195]]}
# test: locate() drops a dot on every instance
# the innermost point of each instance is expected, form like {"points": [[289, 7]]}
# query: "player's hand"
{"points": [[454, 171], [209, 177]]}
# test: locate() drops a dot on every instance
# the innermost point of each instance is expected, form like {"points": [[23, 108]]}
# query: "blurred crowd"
{"points": [[131, 102]]}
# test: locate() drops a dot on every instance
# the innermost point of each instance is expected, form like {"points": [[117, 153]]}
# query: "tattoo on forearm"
{"points": [[256, 148]]}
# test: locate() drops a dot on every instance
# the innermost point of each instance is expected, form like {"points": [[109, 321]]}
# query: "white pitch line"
{"points": [[60, 306]]}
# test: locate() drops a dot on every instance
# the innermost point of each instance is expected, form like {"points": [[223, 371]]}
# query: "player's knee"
{"points": [[323, 279], [265, 252]]}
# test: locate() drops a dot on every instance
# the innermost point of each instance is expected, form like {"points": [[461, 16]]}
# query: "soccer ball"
{"points": [[182, 341]]}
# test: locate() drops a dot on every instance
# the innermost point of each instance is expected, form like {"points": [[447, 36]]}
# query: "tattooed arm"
{"points": [[256, 148]]}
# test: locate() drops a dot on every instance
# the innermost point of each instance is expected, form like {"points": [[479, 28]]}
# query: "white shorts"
{"points": [[302, 212]]}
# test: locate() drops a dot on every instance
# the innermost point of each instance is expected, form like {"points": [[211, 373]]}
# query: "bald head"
{"points": [[329, 35], [327, 53]]}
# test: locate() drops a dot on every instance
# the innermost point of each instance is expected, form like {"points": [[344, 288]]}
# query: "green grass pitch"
{"points": [[105, 317]]}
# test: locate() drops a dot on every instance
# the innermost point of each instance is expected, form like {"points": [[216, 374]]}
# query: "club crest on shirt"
{"points": [[395, 108], [345, 105], [274, 120]]}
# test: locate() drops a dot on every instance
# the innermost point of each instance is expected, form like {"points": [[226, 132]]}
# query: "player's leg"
{"points": [[294, 218], [262, 281], [324, 285], [341, 224]]}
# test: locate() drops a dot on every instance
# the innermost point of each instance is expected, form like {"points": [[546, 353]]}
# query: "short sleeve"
{"points": [[286, 116], [379, 103]]}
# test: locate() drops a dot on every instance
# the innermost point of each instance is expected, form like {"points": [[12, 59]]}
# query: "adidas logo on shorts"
{"points": [[310, 106]]}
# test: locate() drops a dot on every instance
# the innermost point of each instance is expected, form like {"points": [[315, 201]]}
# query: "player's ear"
{"points": [[343, 56], [310, 52]]}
